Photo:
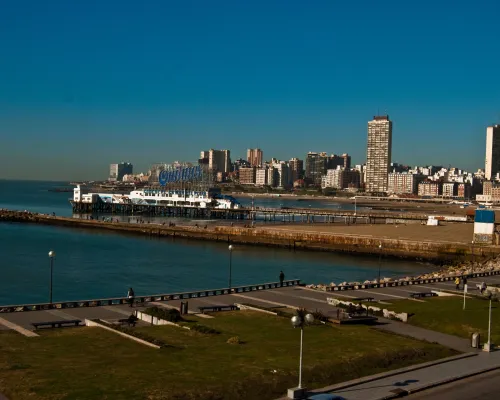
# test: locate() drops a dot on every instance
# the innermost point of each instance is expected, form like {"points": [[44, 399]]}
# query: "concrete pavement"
{"points": [[291, 297], [398, 385], [479, 387]]}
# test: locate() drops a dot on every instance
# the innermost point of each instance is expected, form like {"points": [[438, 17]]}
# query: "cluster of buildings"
{"points": [[378, 176]]}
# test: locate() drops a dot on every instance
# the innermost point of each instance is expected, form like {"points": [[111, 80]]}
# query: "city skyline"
{"points": [[83, 86]]}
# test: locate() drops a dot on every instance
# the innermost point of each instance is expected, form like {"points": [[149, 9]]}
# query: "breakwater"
{"points": [[261, 235]]}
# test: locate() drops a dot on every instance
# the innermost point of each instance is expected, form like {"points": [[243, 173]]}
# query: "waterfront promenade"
{"points": [[292, 296]]}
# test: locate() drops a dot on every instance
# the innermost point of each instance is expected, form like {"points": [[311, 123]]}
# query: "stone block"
{"points": [[297, 393]]}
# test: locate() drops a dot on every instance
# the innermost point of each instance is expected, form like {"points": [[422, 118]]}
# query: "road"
{"points": [[480, 387]]}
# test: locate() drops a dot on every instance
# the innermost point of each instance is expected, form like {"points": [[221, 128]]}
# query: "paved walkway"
{"points": [[294, 297], [291, 297], [401, 328], [419, 379]]}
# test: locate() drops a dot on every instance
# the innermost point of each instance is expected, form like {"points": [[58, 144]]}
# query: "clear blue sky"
{"points": [[87, 83]]}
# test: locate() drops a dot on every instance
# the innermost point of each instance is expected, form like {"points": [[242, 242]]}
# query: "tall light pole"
{"points": [[230, 248], [488, 346], [299, 321], [355, 205], [379, 260], [473, 258], [52, 255]]}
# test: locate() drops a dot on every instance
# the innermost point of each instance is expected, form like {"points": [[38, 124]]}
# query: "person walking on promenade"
{"points": [[282, 278], [131, 296], [457, 283]]}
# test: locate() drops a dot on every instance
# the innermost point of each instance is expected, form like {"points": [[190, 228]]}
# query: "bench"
{"points": [[417, 295], [360, 299], [230, 307], [57, 324], [130, 321]]}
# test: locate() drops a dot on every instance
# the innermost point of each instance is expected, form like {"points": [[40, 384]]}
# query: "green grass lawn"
{"points": [[91, 363], [446, 314]]}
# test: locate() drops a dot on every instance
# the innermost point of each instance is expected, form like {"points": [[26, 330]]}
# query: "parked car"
{"points": [[325, 396]]}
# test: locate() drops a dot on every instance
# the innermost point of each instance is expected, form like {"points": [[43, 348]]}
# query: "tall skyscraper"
{"points": [[316, 165], [217, 160], [492, 161], [378, 154], [296, 169], [254, 157], [117, 171]]}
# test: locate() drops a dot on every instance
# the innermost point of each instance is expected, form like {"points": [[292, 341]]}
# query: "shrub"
{"points": [[319, 316], [204, 329], [169, 314], [284, 314], [234, 340]]}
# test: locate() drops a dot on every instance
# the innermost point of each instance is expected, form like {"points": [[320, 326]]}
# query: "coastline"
{"points": [[293, 237]]}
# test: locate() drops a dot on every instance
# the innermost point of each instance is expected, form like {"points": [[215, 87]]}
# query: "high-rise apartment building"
{"points": [[296, 169], [217, 160], [492, 161], [254, 157], [378, 154], [450, 189], [117, 171], [281, 173], [430, 188], [335, 161], [247, 175], [264, 176], [403, 182], [316, 165], [340, 178]]}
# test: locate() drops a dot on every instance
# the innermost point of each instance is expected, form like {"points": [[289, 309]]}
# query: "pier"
{"points": [[301, 215]]}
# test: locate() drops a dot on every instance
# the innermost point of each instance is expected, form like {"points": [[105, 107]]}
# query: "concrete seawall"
{"points": [[267, 236]]}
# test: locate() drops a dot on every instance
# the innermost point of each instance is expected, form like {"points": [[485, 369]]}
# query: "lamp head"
{"points": [[296, 321], [52, 254], [309, 318], [230, 247]]}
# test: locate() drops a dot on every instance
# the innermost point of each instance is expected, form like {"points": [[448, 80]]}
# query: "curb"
{"points": [[371, 378], [438, 383]]}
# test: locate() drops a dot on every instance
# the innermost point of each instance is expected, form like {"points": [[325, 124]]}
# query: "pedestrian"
{"points": [[464, 281], [131, 296], [483, 287], [282, 278], [457, 283]]}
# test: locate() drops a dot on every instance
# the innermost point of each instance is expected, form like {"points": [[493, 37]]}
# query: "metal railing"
{"points": [[146, 299]]}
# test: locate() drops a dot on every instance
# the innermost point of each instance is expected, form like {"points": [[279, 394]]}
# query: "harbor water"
{"points": [[95, 264]]}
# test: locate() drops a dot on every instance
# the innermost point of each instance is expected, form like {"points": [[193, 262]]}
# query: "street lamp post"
{"points": [[379, 261], [355, 205], [299, 321], [230, 265], [52, 255], [473, 258], [488, 346]]}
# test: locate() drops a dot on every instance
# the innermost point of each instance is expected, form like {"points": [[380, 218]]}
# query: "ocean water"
{"points": [[93, 264]]}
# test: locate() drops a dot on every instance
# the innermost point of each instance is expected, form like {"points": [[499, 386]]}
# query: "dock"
{"points": [[302, 215], [451, 241]]}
